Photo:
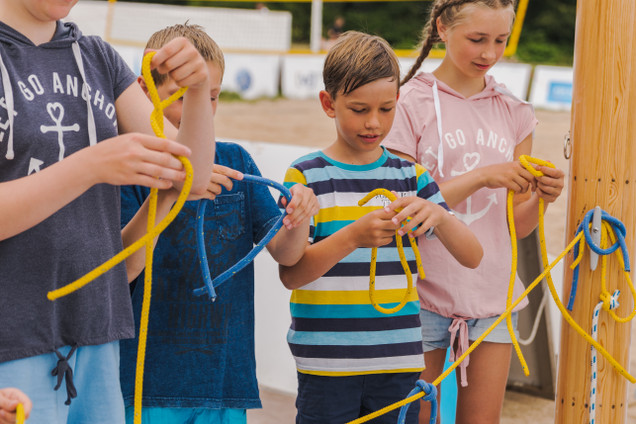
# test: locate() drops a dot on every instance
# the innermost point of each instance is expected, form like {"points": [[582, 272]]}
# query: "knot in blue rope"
{"points": [[619, 232], [210, 284], [430, 396]]}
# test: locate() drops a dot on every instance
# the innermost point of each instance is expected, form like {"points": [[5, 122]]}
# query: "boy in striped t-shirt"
{"points": [[353, 359]]}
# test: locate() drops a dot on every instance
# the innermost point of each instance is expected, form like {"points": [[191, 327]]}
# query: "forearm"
{"points": [[288, 246], [197, 132], [317, 260], [526, 215], [458, 189], [460, 242], [30, 200], [137, 228]]}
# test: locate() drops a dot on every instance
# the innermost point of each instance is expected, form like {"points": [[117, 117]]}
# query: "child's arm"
{"points": [[127, 159], [372, 230], [9, 399], [288, 245], [454, 234], [180, 59]]}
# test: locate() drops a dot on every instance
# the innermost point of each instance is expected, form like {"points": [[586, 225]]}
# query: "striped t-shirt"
{"points": [[335, 329]]}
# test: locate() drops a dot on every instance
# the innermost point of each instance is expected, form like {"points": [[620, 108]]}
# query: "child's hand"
{"points": [[374, 229], [9, 399], [136, 159], [511, 175], [181, 60], [222, 176], [422, 212], [304, 204], [550, 185]]}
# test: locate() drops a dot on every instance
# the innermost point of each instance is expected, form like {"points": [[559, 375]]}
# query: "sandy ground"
{"points": [[304, 123]]}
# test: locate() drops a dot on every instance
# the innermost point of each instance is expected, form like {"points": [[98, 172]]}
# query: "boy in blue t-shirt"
{"points": [[352, 357], [200, 361]]}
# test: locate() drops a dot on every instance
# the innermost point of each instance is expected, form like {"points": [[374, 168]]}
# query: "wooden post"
{"points": [[602, 172]]}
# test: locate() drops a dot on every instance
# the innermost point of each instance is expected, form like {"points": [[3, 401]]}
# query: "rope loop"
{"points": [[405, 265], [430, 392], [210, 284], [610, 301]]}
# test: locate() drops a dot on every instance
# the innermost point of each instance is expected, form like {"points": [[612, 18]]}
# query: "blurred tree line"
{"points": [[547, 36]]}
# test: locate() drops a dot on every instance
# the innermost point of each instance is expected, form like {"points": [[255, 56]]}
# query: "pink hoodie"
{"points": [[477, 131]]}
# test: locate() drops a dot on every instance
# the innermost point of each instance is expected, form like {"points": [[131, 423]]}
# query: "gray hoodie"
{"points": [[55, 99]]}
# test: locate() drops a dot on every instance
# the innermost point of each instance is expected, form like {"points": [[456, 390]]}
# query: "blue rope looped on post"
{"points": [[619, 230], [203, 257], [431, 396]]}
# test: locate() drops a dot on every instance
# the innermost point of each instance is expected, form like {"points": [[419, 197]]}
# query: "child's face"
{"points": [[174, 110], [363, 118], [42, 10], [477, 42]]}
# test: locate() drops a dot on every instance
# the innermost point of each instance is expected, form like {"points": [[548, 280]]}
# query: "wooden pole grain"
{"points": [[602, 172]]}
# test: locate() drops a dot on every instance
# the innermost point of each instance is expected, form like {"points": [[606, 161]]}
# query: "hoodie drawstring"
{"points": [[8, 98], [438, 116], [63, 369], [92, 133]]}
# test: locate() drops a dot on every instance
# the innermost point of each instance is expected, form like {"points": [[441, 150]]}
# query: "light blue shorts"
{"points": [[435, 334], [95, 376], [188, 415]]}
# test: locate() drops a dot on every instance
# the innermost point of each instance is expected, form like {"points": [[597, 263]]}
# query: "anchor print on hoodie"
{"points": [[477, 131], [55, 99]]}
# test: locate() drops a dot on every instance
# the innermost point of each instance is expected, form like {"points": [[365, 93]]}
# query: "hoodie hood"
{"points": [[429, 81], [66, 36]]}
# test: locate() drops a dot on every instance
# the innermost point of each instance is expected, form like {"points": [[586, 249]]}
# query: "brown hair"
{"points": [[208, 49], [450, 13], [357, 59]]}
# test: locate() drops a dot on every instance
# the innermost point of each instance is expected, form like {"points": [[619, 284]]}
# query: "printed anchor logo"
{"points": [[56, 112]]}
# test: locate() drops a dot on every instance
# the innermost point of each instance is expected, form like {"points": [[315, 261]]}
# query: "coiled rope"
{"points": [[405, 265]]}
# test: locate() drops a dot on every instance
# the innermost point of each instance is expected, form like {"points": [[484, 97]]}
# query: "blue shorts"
{"points": [[188, 415], [338, 400], [435, 334], [95, 376]]}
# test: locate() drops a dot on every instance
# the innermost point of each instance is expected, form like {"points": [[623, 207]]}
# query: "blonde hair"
{"points": [[207, 47], [450, 14], [357, 59]]}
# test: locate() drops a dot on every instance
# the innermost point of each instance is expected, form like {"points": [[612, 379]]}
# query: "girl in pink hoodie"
{"points": [[469, 132]]}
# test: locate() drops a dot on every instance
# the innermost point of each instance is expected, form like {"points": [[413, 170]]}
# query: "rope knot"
{"points": [[428, 388], [610, 301], [63, 369]]}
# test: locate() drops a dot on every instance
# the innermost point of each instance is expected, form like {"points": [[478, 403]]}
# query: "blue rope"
{"points": [[210, 284], [431, 396], [619, 231]]}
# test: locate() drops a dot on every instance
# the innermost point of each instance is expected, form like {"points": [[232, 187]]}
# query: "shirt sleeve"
{"points": [[427, 188], [405, 132]]}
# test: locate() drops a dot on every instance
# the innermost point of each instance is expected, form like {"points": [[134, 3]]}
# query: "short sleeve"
{"points": [[406, 130], [427, 188]]}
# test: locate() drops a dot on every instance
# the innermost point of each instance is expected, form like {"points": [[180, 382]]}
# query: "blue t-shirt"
{"points": [[200, 354]]}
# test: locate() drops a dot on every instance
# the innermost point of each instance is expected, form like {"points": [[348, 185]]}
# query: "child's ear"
{"points": [[441, 29], [142, 83], [327, 103]]}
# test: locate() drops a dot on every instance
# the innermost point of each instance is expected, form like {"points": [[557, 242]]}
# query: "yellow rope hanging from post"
{"points": [[506, 314], [405, 265]]}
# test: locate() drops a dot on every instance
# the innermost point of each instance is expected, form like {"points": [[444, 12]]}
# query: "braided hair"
{"points": [[448, 11]]}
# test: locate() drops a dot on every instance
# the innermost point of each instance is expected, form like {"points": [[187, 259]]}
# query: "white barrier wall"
{"points": [[552, 87], [275, 366], [232, 29]]}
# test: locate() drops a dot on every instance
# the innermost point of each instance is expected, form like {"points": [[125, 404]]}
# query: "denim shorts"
{"points": [[188, 415], [95, 376], [338, 400], [435, 334]]}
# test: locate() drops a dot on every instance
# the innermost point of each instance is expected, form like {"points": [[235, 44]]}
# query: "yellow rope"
{"points": [[156, 121], [506, 314], [19, 414], [405, 265]]}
